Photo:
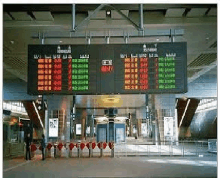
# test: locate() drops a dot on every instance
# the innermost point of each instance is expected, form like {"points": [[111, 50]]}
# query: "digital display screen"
{"points": [[78, 75], [107, 69]]}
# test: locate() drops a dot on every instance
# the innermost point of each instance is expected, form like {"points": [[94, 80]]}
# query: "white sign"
{"points": [[134, 129], [106, 62], [144, 128], [88, 130], [120, 132], [78, 129], [168, 126], [53, 127], [59, 50]]}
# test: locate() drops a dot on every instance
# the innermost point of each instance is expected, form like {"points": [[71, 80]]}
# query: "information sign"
{"points": [[107, 68]]}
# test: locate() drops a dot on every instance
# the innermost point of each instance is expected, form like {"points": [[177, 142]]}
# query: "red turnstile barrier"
{"points": [[71, 146], [111, 145], [60, 146], [49, 146], [104, 145], [93, 145], [48, 150], [88, 145], [33, 148], [82, 146], [99, 145]]}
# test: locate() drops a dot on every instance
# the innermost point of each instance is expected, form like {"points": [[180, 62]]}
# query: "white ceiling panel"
{"points": [[116, 15], [43, 16], [100, 15], [6, 16], [21, 16], [175, 12], [212, 12], [196, 12]]}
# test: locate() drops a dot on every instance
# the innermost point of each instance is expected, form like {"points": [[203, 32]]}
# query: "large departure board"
{"points": [[107, 68]]}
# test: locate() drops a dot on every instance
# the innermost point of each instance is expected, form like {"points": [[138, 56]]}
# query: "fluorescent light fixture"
{"points": [[17, 112], [101, 119], [184, 112], [38, 115], [111, 100]]}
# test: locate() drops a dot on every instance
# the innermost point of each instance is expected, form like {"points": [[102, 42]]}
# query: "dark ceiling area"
{"points": [[67, 8]]}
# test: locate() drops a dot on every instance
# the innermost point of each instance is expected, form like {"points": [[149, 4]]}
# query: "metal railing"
{"points": [[11, 150], [180, 148], [212, 145], [135, 148]]}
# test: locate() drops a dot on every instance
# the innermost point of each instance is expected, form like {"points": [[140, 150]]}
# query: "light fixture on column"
{"points": [[126, 39], [108, 13], [107, 39], [88, 39]]}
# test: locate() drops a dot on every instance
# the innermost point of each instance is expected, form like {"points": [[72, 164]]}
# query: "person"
{"points": [[43, 146], [28, 143]]}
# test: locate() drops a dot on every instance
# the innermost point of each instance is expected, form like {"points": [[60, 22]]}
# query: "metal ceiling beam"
{"points": [[86, 20], [141, 13], [73, 17], [113, 34], [202, 72], [63, 25], [56, 8], [125, 17]]}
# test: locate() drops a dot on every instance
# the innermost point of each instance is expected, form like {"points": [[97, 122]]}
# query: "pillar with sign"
{"points": [[165, 126]]}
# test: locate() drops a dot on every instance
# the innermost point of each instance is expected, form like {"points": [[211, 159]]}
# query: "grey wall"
{"points": [[204, 125], [16, 90], [204, 86]]}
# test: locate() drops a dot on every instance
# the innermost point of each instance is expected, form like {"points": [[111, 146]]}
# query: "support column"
{"points": [[73, 120], [165, 120], [139, 121], [92, 127], [73, 17], [60, 107], [46, 131], [130, 125], [83, 125]]}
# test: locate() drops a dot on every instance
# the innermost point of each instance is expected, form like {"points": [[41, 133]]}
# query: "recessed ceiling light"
{"points": [[12, 42], [157, 39], [61, 41], [108, 12]]}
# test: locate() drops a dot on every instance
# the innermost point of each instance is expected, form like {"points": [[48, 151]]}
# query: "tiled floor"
{"points": [[111, 167]]}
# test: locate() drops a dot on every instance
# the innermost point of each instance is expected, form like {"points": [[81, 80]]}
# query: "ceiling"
{"points": [[26, 24]]}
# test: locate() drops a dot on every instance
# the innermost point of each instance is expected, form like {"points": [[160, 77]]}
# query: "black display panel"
{"points": [[107, 68]]}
